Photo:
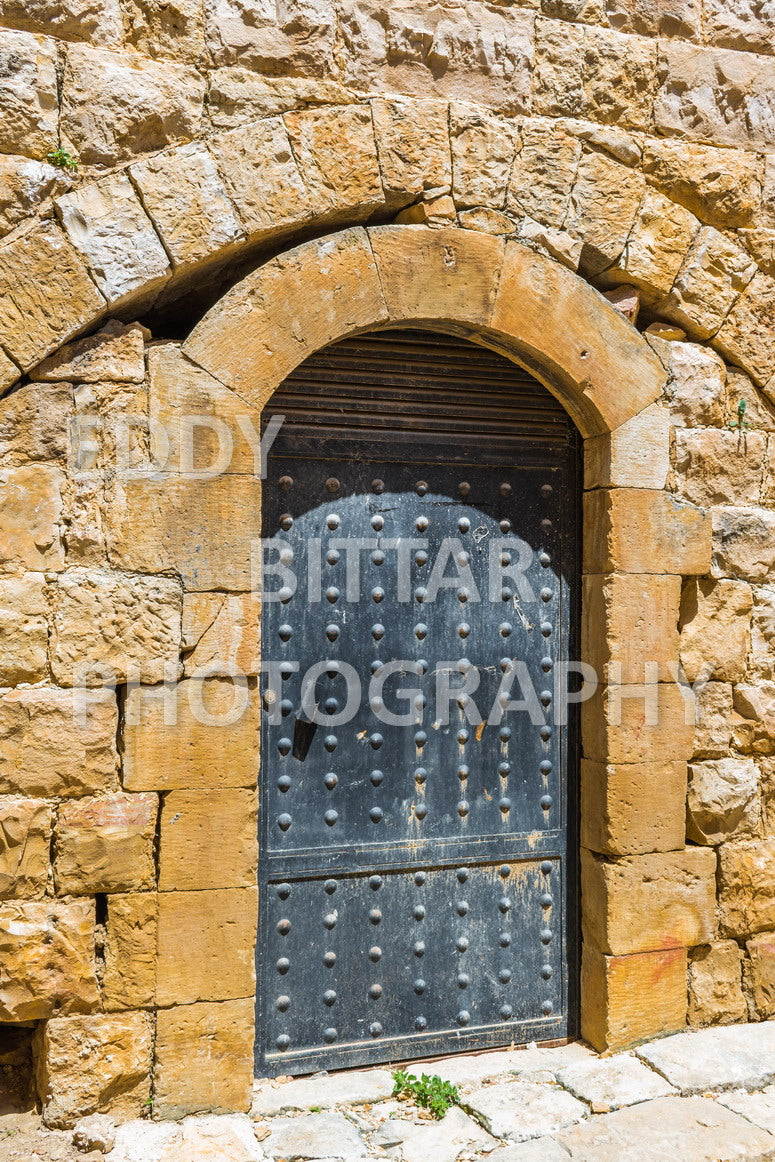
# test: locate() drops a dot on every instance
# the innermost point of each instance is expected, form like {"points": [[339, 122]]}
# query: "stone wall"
{"points": [[622, 144]]}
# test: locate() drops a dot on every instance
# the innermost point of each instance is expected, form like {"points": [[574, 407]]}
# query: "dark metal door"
{"points": [[417, 867]]}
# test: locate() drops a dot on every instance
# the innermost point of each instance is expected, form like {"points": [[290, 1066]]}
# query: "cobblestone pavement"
{"points": [[706, 1096]]}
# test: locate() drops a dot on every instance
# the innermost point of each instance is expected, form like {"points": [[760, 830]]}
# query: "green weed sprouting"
{"points": [[428, 1091], [62, 160]]}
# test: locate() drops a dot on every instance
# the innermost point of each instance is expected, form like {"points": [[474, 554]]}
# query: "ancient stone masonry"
{"points": [[281, 177]]}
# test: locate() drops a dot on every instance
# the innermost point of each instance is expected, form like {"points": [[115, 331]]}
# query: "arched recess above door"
{"points": [[502, 295]]}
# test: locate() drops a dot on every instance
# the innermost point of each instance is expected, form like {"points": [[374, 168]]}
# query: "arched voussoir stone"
{"points": [[499, 294]]}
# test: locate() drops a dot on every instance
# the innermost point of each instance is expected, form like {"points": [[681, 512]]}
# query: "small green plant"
{"points": [[62, 159], [740, 423], [428, 1091]]}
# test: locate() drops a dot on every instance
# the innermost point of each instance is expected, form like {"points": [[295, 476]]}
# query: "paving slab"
{"points": [[693, 1129], [336, 1089], [227, 1138], [312, 1136], [539, 1150], [613, 1082], [758, 1108], [733, 1056], [438, 1141], [475, 1068], [520, 1110]]}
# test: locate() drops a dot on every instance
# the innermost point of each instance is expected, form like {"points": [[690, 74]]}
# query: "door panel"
{"points": [[417, 877]]}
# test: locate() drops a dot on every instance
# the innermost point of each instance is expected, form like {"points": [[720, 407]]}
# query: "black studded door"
{"points": [[417, 851]]}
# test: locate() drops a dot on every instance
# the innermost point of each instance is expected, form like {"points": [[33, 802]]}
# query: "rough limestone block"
{"points": [[721, 186], [115, 354], [34, 424], [31, 518], [747, 337], [723, 1058], [208, 840], [746, 878], [715, 628], [412, 146], [206, 945], [631, 621], [719, 467], [715, 95], [437, 274], [628, 999], [115, 626], [614, 1082], [271, 40], [260, 173], [556, 325], [195, 736], [86, 1065], [744, 543], [640, 530], [187, 202], [710, 281], [520, 1110], [282, 312], [204, 529], [47, 957], [29, 93], [696, 389], [656, 247], [129, 977], [715, 985], [634, 455], [116, 104], [633, 808], [543, 173], [106, 221], [221, 634], [58, 742], [190, 1039], [483, 150], [741, 24], [46, 294], [23, 629], [644, 903], [105, 845], [715, 721], [197, 424], [760, 973], [337, 158], [604, 203], [315, 1132], [25, 845], [721, 799]]}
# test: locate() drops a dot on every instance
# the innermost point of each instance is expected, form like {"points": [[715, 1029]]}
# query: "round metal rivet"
{"points": [[463, 1017], [547, 972], [329, 920], [332, 557], [376, 741], [332, 484], [504, 629], [375, 915], [284, 746], [421, 487], [464, 524], [420, 739], [376, 814], [462, 944], [286, 669], [420, 775], [378, 557], [547, 1007], [329, 997], [419, 948], [463, 594], [286, 521], [544, 559], [376, 778], [545, 733], [504, 871], [285, 482], [546, 900], [283, 1003], [504, 940], [283, 964], [463, 629], [545, 697], [546, 490], [504, 768], [329, 959], [420, 593], [284, 632], [421, 630], [283, 1041], [330, 781], [505, 489], [377, 631], [546, 802], [464, 488], [506, 1012], [504, 976], [420, 1023], [421, 558], [329, 887], [329, 742], [504, 904], [505, 526], [419, 912], [546, 524], [462, 907], [420, 811], [546, 664], [330, 1035], [546, 867], [284, 783], [545, 767], [333, 521], [330, 818], [463, 772], [330, 705], [420, 878], [419, 986], [283, 927], [378, 523], [332, 632], [375, 883], [377, 594], [284, 822], [546, 595], [505, 804], [463, 737], [463, 980], [378, 486], [506, 594], [462, 808], [375, 1029], [422, 523], [462, 874], [546, 628], [332, 594], [546, 936], [283, 891], [375, 953]]}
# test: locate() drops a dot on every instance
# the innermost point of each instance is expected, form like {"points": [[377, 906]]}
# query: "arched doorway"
{"points": [[417, 844]]}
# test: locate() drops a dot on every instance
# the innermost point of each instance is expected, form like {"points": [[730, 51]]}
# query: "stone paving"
{"points": [[706, 1096]]}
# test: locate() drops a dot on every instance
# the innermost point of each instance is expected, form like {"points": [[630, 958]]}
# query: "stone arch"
{"points": [[642, 912]]}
